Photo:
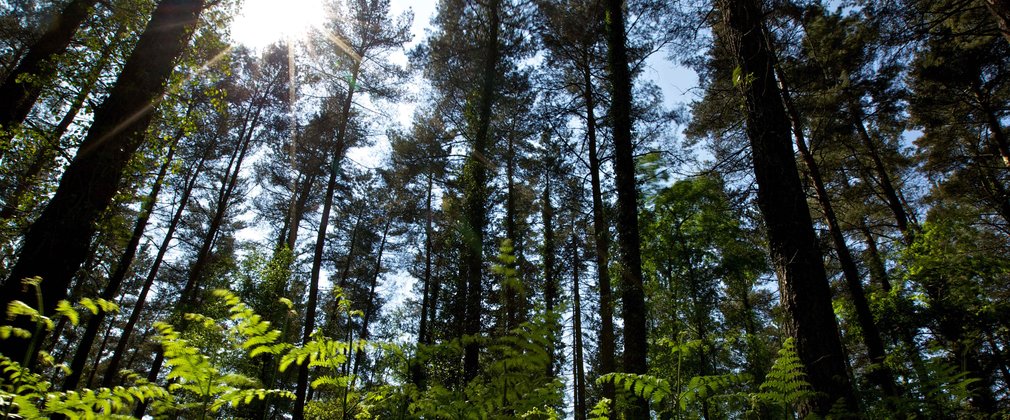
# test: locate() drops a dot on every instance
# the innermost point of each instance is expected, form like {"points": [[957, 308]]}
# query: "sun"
{"points": [[262, 22]]}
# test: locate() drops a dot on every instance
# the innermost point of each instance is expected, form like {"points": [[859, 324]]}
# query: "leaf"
{"points": [[64, 308], [90, 305]]}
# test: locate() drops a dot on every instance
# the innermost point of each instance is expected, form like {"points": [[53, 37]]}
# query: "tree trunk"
{"points": [[992, 122], [298, 211], [877, 371], [112, 371], [878, 272], [57, 243], [513, 295], [577, 358], [122, 269], [1000, 10], [89, 383], [18, 96], [317, 256], [189, 297], [632, 292], [803, 285], [418, 372], [550, 273], [359, 356], [601, 241], [883, 178], [475, 173], [369, 312]]}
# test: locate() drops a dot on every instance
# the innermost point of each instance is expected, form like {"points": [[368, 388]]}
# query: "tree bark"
{"points": [[803, 285], [513, 295], [475, 199], [577, 358], [47, 153], [190, 292], [369, 312], [1000, 10], [883, 178], [877, 371], [601, 241], [418, 373], [57, 243], [550, 273], [632, 292]]}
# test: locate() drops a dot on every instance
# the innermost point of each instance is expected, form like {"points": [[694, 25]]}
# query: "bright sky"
{"points": [[262, 22]]}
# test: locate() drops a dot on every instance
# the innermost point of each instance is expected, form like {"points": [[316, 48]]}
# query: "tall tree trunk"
{"points": [[19, 92], [189, 297], [577, 358], [317, 255], [601, 241], [57, 243], [475, 173], [345, 273], [112, 371], [122, 269], [878, 272], [992, 121], [359, 355], [89, 383], [803, 285], [369, 312], [550, 273], [418, 372], [513, 295], [877, 371], [297, 213], [632, 292]]}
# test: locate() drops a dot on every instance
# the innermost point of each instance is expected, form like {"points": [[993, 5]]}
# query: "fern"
{"points": [[193, 373], [648, 387], [785, 384], [601, 410], [28, 395]]}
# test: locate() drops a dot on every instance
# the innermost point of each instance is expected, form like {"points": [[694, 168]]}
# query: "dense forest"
{"points": [[194, 228]]}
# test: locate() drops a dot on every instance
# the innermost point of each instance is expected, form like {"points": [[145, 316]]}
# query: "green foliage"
{"points": [[209, 387], [785, 385], [30, 395], [601, 410], [514, 381], [646, 386]]}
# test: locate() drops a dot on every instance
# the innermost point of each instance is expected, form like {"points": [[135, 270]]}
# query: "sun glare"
{"points": [[262, 22]]}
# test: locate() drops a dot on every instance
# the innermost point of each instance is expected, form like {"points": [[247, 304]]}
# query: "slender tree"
{"points": [[371, 34]]}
